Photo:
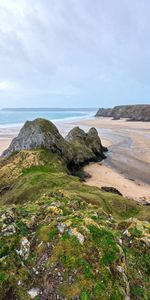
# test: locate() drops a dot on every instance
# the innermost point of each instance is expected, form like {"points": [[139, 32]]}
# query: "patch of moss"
{"points": [[23, 229], [2, 277], [106, 240], [85, 295], [137, 291]]}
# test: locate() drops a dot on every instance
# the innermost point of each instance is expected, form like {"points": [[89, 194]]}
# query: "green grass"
{"points": [[92, 265]]}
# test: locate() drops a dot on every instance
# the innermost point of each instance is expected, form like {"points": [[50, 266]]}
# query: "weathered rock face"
{"points": [[77, 149], [93, 141], [39, 133], [85, 146], [132, 112], [76, 134]]}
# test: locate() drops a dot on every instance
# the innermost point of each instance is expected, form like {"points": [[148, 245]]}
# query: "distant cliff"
{"points": [[131, 112]]}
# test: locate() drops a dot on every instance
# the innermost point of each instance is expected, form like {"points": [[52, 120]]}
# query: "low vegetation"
{"points": [[61, 239]]}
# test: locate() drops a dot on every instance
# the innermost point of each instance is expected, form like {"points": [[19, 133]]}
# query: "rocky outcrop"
{"points": [[94, 142], [110, 189], [85, 146], [39, 133], [131, 112], [77, 149]]}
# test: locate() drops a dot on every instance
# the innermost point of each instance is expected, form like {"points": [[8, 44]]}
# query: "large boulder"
{"points": [[39, 133]]}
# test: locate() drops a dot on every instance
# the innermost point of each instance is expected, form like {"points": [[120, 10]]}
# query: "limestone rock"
{"points": [[39, 133], [77, 149], [140, 112], [24, 249], [8, 230], [76, 134], [33, 292], [61, 227], [74, 232], [85, 146]]}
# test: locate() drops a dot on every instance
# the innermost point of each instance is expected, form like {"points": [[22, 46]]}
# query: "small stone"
{"points": [[70, 279], [61, 227], [33, 292], [146, 240], [24, 249], [78, 235], [126, 232], [120, 269], [8, 230]]}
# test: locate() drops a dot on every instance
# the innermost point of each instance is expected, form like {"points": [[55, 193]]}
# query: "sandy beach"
{"points": [[4, 143], [127, 166], [6, 136], [102, 175]]}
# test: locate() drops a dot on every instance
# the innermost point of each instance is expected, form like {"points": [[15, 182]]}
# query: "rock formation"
{"points": [[39, 133], [77, 149], [110, 189], [85, 146], [131, 112]]}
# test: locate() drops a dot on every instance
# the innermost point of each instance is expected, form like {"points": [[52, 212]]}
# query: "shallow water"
{"points": [[16, 117]]}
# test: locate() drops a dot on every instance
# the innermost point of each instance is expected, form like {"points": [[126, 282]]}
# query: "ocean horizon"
{"points": [[17, 116]]}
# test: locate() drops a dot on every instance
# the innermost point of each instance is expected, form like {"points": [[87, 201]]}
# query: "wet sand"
{"points": [[102, 175], [6, 136], [4, 143], [127, 166]]}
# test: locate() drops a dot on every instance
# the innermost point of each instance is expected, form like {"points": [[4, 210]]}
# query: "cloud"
{"points": [[87, 50], [6, 86]]}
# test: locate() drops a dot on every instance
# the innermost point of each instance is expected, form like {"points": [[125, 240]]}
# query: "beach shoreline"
{"points": [[127, 166], [128, 161]]}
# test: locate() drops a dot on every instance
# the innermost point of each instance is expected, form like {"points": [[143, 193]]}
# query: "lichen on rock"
{"points": [[24, 248]]}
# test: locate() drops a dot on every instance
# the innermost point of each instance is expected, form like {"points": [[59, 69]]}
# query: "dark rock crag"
{"points": [[77, 149], [110, 189], [86, 147], [131, 112]]}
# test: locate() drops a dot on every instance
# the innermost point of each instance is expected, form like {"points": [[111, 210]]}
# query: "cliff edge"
{"points": [[131, 112]]}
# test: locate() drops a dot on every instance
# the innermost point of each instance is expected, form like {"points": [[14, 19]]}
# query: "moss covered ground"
{"points": [[61, 239]]}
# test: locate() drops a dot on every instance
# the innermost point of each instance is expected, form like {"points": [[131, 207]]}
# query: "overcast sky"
{"points": [[74, 53]]}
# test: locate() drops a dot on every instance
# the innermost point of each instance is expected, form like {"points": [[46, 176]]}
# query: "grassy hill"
{"points": [[61, 239]]}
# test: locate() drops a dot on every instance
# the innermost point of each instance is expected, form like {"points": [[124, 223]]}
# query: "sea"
{"points": [[16, 117]]}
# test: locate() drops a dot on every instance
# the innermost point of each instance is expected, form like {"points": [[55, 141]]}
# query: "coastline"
{"points": [[127, 166], [125, 159]]}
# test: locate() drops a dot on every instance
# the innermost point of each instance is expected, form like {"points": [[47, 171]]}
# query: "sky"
{"points": [[74, 53]]}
